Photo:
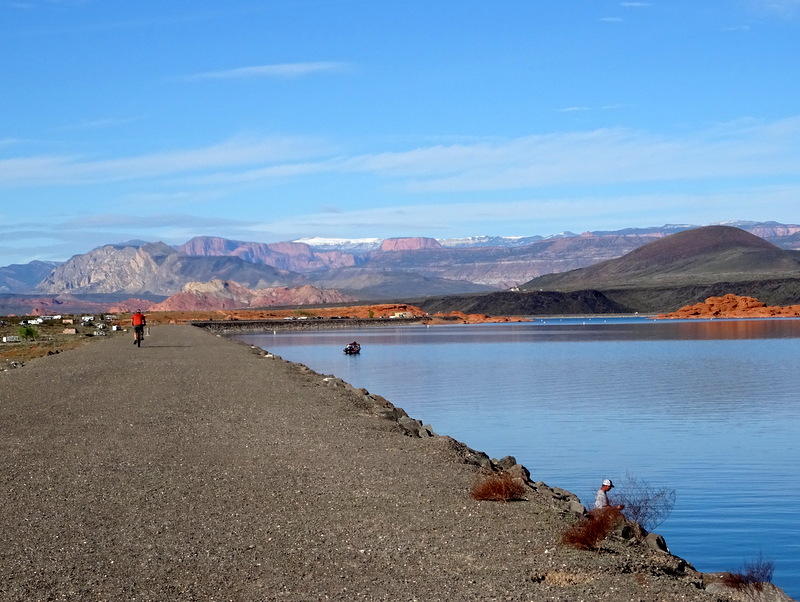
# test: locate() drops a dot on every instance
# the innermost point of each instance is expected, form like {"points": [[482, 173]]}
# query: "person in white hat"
{"points": [[601, 498]]}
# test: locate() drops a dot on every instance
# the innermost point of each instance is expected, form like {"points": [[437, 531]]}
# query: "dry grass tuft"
{"points": [[589, 532], [498, 487], [752, 578]]}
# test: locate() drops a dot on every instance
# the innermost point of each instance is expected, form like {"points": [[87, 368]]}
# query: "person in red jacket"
{"points": [[139, 321]]}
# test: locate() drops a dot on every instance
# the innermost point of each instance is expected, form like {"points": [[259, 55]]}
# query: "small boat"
{"points": [[352, 348]]}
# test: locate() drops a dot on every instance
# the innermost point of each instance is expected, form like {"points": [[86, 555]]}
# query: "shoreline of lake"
{"points": [[633, 431], [199, 467]]}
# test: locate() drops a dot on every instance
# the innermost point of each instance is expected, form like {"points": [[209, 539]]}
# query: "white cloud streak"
{"points": [[602, 157], [238, 152], [287, 70], [594, 158], [531, 215], [781, 8]]}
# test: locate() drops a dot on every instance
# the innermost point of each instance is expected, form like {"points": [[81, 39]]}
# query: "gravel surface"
{"points": [[197, 468]]}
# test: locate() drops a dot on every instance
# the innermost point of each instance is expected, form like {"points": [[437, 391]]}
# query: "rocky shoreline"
{"points": [[199, 468]]}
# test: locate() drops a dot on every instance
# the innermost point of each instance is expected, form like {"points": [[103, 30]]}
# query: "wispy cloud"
{"points": [[100, 123], [545, 214], [783, 8], [541, 215], [9, 142], [156, 221], [738, 149], [239, 152], [611, 19], [286, 70], [23, 5], [617, 155]]}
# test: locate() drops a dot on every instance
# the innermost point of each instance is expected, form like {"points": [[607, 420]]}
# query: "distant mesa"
{"points": [[410, 244]]}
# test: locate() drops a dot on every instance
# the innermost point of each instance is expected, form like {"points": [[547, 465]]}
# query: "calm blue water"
{"points": [[708, 409]]}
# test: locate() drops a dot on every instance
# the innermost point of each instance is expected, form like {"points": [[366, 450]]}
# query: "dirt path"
{"points": [[195, 468]]}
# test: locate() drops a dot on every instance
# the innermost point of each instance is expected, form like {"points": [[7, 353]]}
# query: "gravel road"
{"points": [[196, 468]]}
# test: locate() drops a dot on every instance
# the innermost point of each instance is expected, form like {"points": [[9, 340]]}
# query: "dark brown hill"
{"points": [[700, 256], [511, 303]]}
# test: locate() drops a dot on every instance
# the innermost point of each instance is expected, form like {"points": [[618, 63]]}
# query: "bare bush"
{"points": [[645, 505], [498, 487], [593, 529], [752, 577]]}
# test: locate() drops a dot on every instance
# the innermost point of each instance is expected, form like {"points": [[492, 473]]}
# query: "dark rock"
{"points": [[654, 541], [506, 462]]}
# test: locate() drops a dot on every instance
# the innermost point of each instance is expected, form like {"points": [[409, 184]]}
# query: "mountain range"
{"points": [[618, 263], [663, 275]]}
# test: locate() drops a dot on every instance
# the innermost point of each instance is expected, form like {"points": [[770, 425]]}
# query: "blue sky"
{"points": [[274, 120]]}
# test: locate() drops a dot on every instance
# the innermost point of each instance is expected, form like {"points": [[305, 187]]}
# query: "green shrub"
{"points": [[27, 333]]}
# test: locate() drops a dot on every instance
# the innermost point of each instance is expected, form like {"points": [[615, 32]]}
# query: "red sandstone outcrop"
{"points": [[380, 310], [734, 306], [476, 318]]}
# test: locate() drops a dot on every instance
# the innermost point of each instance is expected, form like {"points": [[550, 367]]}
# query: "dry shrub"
{"points": [[645, 505], [594, 528], [498, 487], [752, 577]]}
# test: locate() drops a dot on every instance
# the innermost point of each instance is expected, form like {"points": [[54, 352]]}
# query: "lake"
{"points": [[707, 408]]}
